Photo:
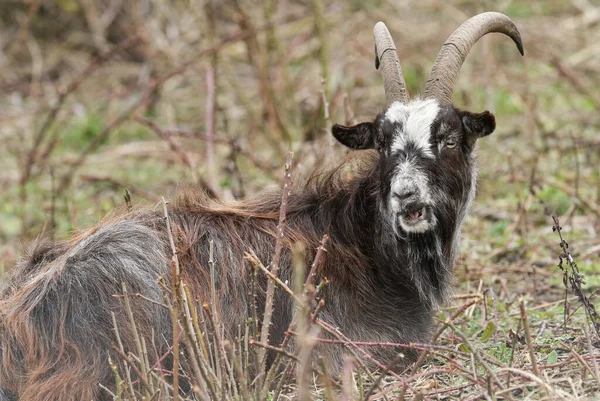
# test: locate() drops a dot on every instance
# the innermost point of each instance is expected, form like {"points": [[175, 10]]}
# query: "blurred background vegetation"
{"points": [[97, 96]]}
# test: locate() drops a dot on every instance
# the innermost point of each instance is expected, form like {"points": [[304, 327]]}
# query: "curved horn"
{"points": [[454, 51], [387, 59]]}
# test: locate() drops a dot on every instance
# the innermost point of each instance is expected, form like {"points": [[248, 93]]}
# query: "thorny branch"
{"points": [[574, 280]]}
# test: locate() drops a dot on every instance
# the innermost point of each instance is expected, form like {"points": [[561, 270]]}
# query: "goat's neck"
{"points": [[355, 218]]}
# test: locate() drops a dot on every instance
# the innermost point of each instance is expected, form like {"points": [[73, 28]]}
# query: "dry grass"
{"points": [[99, 96]]}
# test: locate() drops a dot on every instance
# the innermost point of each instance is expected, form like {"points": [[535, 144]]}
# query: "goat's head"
{"points": [[426, 145]]}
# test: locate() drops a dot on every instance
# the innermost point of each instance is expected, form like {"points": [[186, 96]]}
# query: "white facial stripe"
{"points": [[405, 168], [407, 175], [416, 118], [414, 122]]}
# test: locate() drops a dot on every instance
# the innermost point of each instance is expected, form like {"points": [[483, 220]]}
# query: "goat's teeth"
{"points": [[416, 215]]}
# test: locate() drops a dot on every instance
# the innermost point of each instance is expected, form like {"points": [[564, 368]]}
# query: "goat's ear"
{"points": [[360, 136], [477, 125]]}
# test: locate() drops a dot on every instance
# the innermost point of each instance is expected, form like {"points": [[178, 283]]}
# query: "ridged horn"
{"points": [[386, 60], [444, 72]]}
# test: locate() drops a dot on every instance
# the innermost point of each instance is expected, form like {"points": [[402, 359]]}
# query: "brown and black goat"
{"points": [[394, 231]]}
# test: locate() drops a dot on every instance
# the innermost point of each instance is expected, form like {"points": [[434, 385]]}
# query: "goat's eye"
{"points": [[451, 143]]}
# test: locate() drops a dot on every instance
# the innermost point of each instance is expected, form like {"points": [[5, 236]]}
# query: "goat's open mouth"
{"points": [[416, 218]]}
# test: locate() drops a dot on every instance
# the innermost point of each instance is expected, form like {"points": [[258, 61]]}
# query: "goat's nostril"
{"points": [[404, 194]]}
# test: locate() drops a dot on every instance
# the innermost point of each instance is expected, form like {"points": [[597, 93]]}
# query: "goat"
{"points": [[394, 229]]}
